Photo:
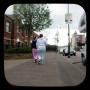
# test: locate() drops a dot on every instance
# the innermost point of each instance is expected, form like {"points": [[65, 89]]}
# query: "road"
{"points": [[57, 70]]}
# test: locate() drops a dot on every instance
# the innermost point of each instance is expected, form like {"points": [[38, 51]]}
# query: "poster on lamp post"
{"points": [[68, 18]]}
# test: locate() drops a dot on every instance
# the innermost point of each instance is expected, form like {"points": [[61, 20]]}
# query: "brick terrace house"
{"points": [[9, 31], [13, 35], [77, 40]]}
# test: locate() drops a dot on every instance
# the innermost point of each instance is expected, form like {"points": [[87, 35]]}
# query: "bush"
{"points": [[51, 48], [27, 49], [18, 50]]}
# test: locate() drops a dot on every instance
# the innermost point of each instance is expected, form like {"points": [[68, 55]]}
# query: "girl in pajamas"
{"points": [[34, 49], [41, 48]]}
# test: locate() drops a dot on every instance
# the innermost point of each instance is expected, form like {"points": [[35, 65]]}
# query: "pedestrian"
{"points": [[41, 47], [34, 49]]}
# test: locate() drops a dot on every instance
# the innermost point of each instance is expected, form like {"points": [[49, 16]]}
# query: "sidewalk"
{"points": [[13, 63], [56, 71], [26, 72]]}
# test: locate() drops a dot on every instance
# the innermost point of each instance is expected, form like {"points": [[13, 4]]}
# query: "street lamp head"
{"points": [[18, 40], [30, 41]]}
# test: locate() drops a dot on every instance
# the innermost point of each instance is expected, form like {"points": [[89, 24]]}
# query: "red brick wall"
{"points": [[7, 35], [13, 35]]}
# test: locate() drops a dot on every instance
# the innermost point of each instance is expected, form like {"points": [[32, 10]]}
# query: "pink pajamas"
{"points": [[34, 53]]}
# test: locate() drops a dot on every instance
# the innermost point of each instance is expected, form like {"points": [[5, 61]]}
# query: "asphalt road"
{"points": [[57, 70]]}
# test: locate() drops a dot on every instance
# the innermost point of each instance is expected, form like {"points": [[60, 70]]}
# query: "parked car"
{"points": [[72, 52], [83, 55]]}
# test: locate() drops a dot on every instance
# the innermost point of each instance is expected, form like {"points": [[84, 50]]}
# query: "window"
{"points": [[18, 29], [7, 27], [26, 32], [26, 43], [7, 44]]}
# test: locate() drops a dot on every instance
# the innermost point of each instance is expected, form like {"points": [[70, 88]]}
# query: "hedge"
{"points": [[27, 49], [18, 50], [51, 48]]}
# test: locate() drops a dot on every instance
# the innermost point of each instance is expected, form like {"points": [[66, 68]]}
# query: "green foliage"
{"points": [[32, 16], [51, 47], [27, 49], [18, 50]]}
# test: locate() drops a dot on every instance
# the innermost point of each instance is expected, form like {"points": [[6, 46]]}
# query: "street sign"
{"points": [[68, 18]]}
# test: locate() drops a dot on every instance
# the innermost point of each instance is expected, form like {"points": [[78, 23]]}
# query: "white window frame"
{"points": [[7, 27]]}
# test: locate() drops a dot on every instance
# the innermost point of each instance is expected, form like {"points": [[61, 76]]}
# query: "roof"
{"points": [[10, 16]]}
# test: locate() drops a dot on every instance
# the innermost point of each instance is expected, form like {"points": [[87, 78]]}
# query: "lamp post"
{"points": [[68, 20], [18, 42], [68, 37]]}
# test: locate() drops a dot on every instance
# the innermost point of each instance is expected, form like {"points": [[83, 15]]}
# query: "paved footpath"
{"points": [[57, 71]]}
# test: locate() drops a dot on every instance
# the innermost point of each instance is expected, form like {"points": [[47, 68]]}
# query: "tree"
{"points": [[32, 17], [57, 40]]}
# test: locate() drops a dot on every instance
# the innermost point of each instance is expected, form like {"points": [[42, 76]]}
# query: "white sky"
{"points": [[57, 13]]}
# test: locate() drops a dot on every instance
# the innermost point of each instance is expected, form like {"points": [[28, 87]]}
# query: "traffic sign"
{"points": [[68, 18]]}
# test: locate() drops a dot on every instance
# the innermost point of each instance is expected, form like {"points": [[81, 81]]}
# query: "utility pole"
{"points": [[68, 20], [57, 38], [68, 37]]}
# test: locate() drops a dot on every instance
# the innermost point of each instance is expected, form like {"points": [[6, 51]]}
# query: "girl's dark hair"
{"points": [[34, 38], [41, 35]]}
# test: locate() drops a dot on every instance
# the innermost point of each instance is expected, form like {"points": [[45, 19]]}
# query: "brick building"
{"points": [[77, 40], [13, 35], [9, 31]]}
